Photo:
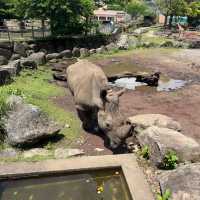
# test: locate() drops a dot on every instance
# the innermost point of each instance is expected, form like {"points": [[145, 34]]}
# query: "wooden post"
{"points": [[9, 35], [32, 32]]}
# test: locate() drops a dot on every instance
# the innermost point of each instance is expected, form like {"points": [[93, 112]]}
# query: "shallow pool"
{"points": [[163, 85], [106, 184]]}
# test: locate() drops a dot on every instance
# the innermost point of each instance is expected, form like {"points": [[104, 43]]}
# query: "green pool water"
{"points": [[96, 185]]}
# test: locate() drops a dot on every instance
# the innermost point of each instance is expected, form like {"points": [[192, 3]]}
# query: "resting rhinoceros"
{"points": [[97, 105]]}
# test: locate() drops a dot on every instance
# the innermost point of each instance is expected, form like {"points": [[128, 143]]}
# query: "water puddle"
{"points": [[163, 85], [95, 185]]}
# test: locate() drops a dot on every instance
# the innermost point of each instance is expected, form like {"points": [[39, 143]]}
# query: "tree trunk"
{"points": [[165, 23], [170, 21]]}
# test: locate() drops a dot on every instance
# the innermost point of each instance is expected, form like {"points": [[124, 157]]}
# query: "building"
{"points": [[110, 15]]}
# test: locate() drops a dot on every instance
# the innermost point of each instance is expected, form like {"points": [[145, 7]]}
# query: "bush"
{"points": [[145, 153], [166, 196], [170, 160]]}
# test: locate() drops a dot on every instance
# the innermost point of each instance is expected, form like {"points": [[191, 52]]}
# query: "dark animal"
{"points": [[151, 80]]}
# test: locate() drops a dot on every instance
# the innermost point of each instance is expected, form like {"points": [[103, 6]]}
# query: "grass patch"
{"points": [[35, 88]]}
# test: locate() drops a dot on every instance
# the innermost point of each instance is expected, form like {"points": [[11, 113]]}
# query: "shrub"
{"points": [[165, 196], [145, 153], [170, 160]]}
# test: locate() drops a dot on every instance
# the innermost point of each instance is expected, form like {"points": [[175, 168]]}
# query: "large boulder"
{"points": [[84, 52], [39, 58], [167, 44], [163, 140], [20, 49], [28, 63], [5, 76], [26, 124], [76, 52], [6, 53], [184, 182], [12, 67], [123, 42], [15, 57], [53, 56], [66, 53], [144, 121], [3, 60]]}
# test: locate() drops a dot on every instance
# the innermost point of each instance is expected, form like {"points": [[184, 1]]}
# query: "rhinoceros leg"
{"points": [[89, 119]]}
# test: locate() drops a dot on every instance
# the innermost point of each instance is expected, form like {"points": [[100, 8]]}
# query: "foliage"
{"points": [[137, 8], [170, 160], [66, 17], [145, 152], [6, 11], [172, 8], [194, 9], [166, 196]]}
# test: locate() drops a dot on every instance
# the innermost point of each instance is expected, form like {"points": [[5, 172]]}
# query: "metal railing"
{"points": [[14, 33]]}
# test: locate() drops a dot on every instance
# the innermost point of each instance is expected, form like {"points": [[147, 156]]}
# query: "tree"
{"points": [[66, 17], [6, 11], [137, 8], [172, 8]]}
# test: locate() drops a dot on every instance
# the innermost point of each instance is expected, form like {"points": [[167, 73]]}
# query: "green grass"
{"points": [[35, 88]]}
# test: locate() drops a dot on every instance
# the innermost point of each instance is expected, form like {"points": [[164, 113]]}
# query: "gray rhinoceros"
{"points": [[96, 104]]}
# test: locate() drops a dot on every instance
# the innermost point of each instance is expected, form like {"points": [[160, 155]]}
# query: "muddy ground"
{"points": [[183, 105]]}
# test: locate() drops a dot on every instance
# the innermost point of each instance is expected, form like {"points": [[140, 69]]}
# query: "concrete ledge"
{"points": [[137, 184]]}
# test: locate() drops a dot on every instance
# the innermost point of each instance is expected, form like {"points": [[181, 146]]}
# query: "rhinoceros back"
{"points": [[86, 81]]}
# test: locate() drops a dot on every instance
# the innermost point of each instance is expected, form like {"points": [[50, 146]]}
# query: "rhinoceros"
{"points": [[97, 105]]}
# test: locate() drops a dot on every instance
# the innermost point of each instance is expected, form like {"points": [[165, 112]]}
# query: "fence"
{"points": [[14, 33]]}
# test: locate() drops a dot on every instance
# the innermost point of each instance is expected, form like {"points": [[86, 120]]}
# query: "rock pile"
{"points": [[162, 135]]}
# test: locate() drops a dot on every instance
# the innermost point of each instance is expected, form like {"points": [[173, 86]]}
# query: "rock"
{"points": [[12, 67], [61, 153], [20, 49], [184, 182], [8, 153], [15, 57], [54, 61], [6, 53], [76, 52], [5, 77], [123, 42], [6, 45], [59, 76], [195, 44], [167, 44], [28, 63], [141, 30], [3, 60], [84, 52], [144, 121], [53, 56], [162, 140], [111, 47], [101, 50], [26, 124], [33, 47], [29, 52], [66, 53], [92, 51], [39, 58], [37, 152]]}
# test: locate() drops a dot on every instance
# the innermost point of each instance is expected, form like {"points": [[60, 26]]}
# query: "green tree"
{"points": [[66, 17], [137, 8], [6, 11], [172, 8]]}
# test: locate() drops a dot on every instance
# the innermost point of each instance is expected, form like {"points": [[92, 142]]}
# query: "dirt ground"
{"points": [[183, 105]]}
